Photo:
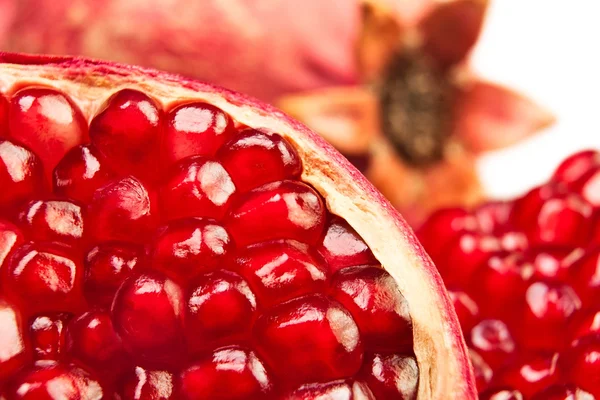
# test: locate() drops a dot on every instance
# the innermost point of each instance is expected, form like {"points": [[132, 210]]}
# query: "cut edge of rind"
{"points": [[445, 369]]}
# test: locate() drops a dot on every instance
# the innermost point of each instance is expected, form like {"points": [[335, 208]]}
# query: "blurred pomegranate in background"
{"points": [[384, 81]]}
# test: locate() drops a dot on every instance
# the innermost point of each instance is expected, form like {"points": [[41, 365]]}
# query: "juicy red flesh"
{"points": [[530, 309], [177, 254]]}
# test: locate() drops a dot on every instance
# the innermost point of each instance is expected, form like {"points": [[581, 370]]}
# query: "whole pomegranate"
{"points": [[385, 81], [524, 279], [162, 238]]}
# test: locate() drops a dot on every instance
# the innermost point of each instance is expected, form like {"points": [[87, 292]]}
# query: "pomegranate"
{"points": [[166, 239], [329, 63], [529, 308]]}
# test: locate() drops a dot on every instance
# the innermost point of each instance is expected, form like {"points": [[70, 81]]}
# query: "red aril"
{"points": [[383, 375], [466, 308], [196, 187], [142, 384], [342, 246], [80, 173], [234, 370], [201, 245], [493, 341], [3, 117], [188, 247], [531, 374], [21, 175], [15, 347], [576, 166], [53, 221], [51, 380], [588, 186], [267, 157], [106, 267], [563, 392], [282, 270], [46, 121], [537, 299], [196, 129], [220, 309], [47, 335], [483, 372], [127, 133], [581, 364]]}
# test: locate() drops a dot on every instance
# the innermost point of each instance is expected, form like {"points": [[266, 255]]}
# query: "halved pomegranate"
{"points": [[161, 238], [529, 306]]}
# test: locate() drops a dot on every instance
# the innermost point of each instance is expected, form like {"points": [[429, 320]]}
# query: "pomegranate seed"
{"points": [[289, 333], [493, 217], [10, 239], [44, 277], [526, 207], [147, 304], [584, 277], [562, 392], [254, 158], [483, 372], [279, 210], [188, 247], [3, 117], [441, 227], [52, 380], [21, 175], [47, 335], [121, 210], [498, 283], [549, 263], [197, 187], [80, 173], [381, 312], [343, 247], [92, 339], [15, 351], [584, 323], [280, 271], [589, 186], [492, 340], [47, 122], [53, 221], [501, 394], [562, 220], [219, 310], [548, 309], [342, 390], [107, 265], [581, 364], [383, 375], [531, 374], [229, 373], [196, 129], [127, 133], [145, 384], [576, 166], [464, 254], [466, 309]]}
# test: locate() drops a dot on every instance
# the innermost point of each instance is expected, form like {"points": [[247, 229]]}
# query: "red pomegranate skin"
{"points": [[94, 274], [530, 312], [271, 43]]}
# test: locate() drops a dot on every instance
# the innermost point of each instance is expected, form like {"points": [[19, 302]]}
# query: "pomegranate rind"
{"points": [[445, 370]]}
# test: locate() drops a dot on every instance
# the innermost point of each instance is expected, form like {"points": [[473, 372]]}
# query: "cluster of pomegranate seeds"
{"points": [[175, 254], [524, 276]]}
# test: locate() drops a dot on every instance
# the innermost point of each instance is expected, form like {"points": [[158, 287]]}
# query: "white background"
{"points": [[550, 51]]}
